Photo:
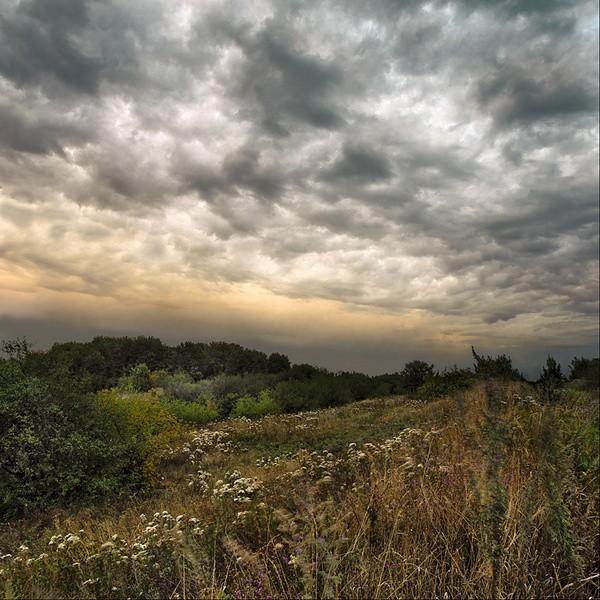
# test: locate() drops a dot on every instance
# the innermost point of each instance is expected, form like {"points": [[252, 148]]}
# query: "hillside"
{"points": [[488, 492]]}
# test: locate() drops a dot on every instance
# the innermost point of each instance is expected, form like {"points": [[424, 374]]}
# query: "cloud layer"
{"points": [[430, 166]]}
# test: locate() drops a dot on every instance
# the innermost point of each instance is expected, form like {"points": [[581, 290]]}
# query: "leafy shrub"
{"points": [[445, 384], [311, 394], [56, 448], [137, 380], [182, 387], [195, 413], [586, 371], [145, 422], [278, 363], [248, 406], [226, 389]]}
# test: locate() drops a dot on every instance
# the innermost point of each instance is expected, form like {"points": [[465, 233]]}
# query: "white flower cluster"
{"points": [[198, 480], [163, 532], [355, 456], [324, 467], [164, 528], [206, 441], [240, 489], [22, 556], [273, 461]]}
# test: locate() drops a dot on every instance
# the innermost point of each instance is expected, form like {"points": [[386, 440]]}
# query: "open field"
{"points": [[490, 492]]}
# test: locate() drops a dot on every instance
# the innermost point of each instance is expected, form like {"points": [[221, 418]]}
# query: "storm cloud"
{"points": [[429, 166]]}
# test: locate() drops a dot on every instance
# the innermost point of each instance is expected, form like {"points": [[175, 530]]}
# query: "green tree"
{"points": [[17, 348], [495, 367], [551, 378], [586, 370], [278, 363], [415, 374], [138, 379]]}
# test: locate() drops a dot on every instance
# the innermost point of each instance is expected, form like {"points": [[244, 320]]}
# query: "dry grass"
{"points": [[484, 494]]}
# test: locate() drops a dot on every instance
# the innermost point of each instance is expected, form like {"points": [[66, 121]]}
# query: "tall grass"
{"points": [[485, 494]]}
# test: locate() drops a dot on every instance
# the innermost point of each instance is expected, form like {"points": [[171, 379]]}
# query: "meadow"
{"points": [[488, 491]]}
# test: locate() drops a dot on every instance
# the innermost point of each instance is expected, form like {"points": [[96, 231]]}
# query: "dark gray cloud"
{"points": [[359, 163], [36, 132], [389, 156], [39, 42], [514, 95], [280, 85]]}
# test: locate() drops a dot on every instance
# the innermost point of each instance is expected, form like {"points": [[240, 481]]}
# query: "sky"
{"points": [[355, 183]]}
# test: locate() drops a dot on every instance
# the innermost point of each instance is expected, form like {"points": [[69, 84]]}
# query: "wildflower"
{"points": [[72, 539]]}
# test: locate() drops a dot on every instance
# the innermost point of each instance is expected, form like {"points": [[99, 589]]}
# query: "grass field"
{"points": [[487, 493]]}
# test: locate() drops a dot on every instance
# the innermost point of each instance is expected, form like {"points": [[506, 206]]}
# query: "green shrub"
{"points": [[314, 393], [586, 371], [248, 406], [195, 413], [143, 420], [55, 448], [445, 384], [137, 380], [226, 389], [181, 386]]}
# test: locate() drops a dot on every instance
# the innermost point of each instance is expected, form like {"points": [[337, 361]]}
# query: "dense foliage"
{"points": [[57, 447], [103, 361]]}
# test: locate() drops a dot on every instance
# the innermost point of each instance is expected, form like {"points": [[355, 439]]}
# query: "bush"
{"points": [[145, 423], [56, 448], [248, 406], [137, 380], [445, 384], [182, 387], [226, 389], [195, 413], [311, 394], [586, 371]]}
